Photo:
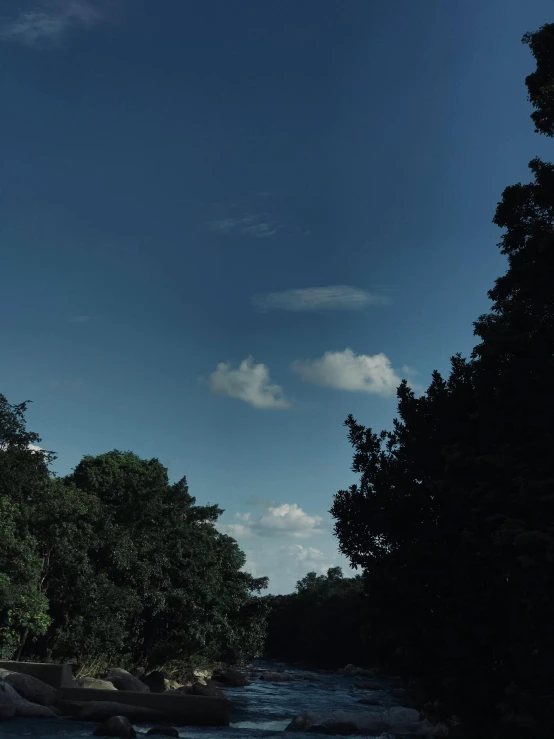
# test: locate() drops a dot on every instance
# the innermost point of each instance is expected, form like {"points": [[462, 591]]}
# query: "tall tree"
{"points": [[453, 518]]}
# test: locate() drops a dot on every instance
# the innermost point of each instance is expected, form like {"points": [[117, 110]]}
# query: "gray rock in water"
{"points": [[95, 683], [277, 677], [119, 726], [163, 731], [30, 687], [23, 707], [123, 680], [103, 710], [397, 721], [232, 678]]}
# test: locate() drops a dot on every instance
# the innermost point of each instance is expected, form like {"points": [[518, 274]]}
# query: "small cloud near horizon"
{"points": [[250, 383], [332, 297], [51, 20]]}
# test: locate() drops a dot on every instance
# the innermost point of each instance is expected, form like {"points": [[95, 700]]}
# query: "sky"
{"points": [[227, 224]]}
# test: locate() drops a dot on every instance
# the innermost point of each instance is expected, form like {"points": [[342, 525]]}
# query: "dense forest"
{"points": [[451, 525], [113, 565]]}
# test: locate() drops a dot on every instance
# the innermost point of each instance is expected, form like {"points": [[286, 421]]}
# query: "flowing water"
{"points": [[261, 710]]}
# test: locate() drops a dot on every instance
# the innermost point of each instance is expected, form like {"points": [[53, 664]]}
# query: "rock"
{"points": [[311, 722], [116, 726], [23, 707], [209, 691], [277, 677], [202, 676], [173, 684], [353, 671], [154, 681], [396, 721], [7, 706], [30, 687], [95, 683], [231, 678], [163, 731], [123, 680], [103, 710]]}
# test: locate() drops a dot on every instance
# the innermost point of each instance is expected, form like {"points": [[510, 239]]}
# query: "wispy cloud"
{"points": [[79, 319], [250, 383], [333, 297], [50, 20], [348, 371], [255, 225]]}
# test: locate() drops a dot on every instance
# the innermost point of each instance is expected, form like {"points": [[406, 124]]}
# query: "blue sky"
{"points": [[225, 225]]}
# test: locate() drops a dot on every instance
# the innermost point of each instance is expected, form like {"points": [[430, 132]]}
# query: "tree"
{"points": [[453, 518], [23, 475]]}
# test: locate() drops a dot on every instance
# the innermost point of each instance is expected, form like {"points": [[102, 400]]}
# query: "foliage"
{"points": [[115, 564], [452, 521], [321, 624]]}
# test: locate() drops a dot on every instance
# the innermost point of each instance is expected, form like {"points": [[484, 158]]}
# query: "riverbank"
{"points": [[266, 707]]}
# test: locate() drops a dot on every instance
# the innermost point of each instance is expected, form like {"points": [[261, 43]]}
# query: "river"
{"points": [[261, 710]]}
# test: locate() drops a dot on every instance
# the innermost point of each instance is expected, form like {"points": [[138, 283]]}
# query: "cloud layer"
{"points": [[348, 371], [50, 20], [333, 297], [250, 383]]}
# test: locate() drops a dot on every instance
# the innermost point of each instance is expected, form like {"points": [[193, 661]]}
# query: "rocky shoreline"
{"points": [[26, 696]]}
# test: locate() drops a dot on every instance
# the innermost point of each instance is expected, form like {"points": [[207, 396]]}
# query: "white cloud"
{"points": [[255, 225], [250, 383], [348, 371], [80, 319], [333, 297], [50, 20], [287, 519], [310, 558]]}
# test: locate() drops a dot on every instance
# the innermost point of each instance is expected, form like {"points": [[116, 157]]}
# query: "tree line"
{"points": [[113, 565]]}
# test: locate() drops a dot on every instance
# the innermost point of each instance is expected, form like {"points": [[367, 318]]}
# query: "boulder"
{"points": [[353, 671], [231, 678], [103, 710], [154, 681], [163, 731], [277, 677], [30, 687], [123, 680], [116, 726], [396, 721], [23, 707], [7, 706], [209, 691], [95, 683]]}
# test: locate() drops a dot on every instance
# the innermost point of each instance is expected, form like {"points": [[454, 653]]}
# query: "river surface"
{"points": [[261, 710]]}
